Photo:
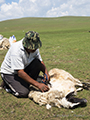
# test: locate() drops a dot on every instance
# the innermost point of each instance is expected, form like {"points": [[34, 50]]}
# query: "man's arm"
{"points": [[27, 78], [44, 70]]}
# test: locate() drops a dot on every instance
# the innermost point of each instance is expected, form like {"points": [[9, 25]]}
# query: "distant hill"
{"points": [[44, 25]]}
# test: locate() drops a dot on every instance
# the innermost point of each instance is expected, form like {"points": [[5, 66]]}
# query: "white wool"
{"points": [[48, 106]]}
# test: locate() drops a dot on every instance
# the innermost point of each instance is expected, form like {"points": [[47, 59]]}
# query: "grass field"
{"points": [[66, 45]]}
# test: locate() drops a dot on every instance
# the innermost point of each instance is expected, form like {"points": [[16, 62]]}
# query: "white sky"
{"points": [[11, 9]]}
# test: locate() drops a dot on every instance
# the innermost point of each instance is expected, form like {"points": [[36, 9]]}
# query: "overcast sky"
{"points": [[11, 9]]}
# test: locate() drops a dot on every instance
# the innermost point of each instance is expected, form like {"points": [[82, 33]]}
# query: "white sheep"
{"points": [[4, 43], [62, 89]]}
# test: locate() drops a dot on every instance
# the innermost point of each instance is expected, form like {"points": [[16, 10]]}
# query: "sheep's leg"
{"points": [[79, 89], [57, 103], [81, 102], [73, 105], [75, 101], [78, 82], [86, 86], [82, 86]]}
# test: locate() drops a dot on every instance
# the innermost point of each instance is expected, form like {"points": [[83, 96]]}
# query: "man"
{"points": [[22, 65]]}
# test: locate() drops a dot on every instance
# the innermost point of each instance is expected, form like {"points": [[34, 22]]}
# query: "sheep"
{"points": [[4, 43], [62, 89]]}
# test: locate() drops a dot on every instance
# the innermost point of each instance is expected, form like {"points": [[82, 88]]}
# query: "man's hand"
{"points": [[46, 77], [43, 87]]}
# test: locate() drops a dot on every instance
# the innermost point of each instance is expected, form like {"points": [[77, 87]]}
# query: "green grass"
{"points": [[66, 45]]}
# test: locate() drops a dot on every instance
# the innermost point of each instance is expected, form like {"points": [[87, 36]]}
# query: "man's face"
{"points": [[30, 50]]}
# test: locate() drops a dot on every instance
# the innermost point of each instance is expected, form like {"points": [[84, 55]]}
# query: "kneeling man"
{"points": [[22, 65]]}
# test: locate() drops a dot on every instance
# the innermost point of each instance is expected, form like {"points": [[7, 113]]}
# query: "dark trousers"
{"points": [[18, 86]]}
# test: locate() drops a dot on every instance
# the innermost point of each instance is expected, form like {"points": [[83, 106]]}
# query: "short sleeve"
{"points": [[38, 55], [17, 62]]}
